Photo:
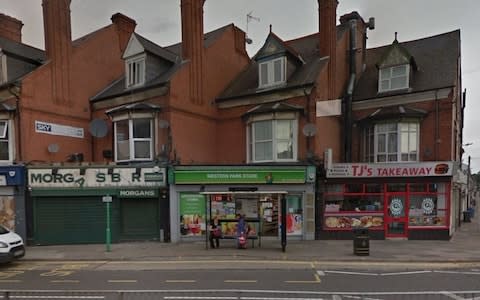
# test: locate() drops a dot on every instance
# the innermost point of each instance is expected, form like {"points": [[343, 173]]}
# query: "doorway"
{"points": [[396, 215]]}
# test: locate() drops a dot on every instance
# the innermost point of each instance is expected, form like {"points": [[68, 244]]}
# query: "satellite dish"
{"points": [[98, 128], [309, 129], [53, 148], [163, 124]]}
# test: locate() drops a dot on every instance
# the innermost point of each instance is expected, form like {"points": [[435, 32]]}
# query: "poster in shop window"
{"points": [[192, 214]]}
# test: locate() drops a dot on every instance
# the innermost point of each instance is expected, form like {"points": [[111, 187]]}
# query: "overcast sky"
{"points": [[159, 21]]}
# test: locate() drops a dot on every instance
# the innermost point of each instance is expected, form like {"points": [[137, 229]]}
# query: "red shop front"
{"points": [[390, 200]]}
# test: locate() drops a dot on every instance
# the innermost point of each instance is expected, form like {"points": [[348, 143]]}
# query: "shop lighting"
{"points": [[243, 189]]}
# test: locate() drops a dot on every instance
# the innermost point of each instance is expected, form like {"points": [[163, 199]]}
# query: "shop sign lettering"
{"points": [[390, 170], [93, 178], [137, 193]]}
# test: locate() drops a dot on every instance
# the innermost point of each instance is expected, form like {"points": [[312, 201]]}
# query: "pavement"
{"points": [[463, 248]]}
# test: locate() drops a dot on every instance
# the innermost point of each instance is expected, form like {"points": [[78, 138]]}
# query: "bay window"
{"points": [[392, 142], [272, 140], [134, 139]]}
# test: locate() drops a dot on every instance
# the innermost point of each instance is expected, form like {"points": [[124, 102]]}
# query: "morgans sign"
{"points": [[95, 177]]}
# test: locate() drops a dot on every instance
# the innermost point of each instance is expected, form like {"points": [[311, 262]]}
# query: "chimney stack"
{"points": [[125, 28], [192, 45], [10, 28], [327, 11], [58, 46]]}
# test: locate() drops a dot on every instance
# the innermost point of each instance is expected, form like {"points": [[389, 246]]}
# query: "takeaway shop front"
{"points": [[68, 205], [200, 193], [409, 200]]}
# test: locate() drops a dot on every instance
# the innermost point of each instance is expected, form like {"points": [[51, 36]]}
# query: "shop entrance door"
{"points": [[396, 218]]}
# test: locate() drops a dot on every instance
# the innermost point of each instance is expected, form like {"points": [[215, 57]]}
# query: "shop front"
{"points": [[12, 198], [408, 201], [199, 194], [71, 205]]}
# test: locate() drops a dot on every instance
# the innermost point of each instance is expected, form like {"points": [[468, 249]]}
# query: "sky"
{"points": [[159, 21]]}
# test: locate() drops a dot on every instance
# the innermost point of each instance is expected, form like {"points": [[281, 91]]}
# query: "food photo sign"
{"points": [[349, 222]]}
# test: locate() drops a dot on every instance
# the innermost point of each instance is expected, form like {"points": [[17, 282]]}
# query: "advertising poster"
{"points": [[192, 214]]}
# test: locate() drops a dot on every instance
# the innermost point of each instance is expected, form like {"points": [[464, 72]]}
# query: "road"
{"points": [[232, 280]]}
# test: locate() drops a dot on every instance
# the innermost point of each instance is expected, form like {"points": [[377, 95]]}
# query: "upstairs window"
{"points": [[135, 72], [272, 140], [392, 142], [272, 72], [134, 140], [393, 78], [5, 142], [3, 68]]}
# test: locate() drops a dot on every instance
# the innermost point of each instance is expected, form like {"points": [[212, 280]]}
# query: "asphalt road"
{"points": [[131, 280]]}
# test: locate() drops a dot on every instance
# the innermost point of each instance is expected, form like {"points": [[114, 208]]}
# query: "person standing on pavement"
{"points": [[215, 230]]}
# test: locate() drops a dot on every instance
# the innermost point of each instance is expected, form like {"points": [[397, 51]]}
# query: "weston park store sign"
{"points": [[96, 177]]}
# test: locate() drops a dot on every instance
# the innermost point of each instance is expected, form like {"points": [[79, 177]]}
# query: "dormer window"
{"points": [[135, 70], [393, 78], [272, 72]]}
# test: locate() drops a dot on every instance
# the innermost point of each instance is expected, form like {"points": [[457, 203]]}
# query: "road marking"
{"points": [[10, 281], [321, 273], [57, 272], [197, 297], [317, 280], [64, 281], [457, 272], [180, 281], [352, 273], [451, 295], [57, 297], [240, 281], [10, 274], [405, 273], [122, 281]]}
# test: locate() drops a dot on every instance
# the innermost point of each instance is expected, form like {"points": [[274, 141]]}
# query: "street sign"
{"points": [[107, 198]]}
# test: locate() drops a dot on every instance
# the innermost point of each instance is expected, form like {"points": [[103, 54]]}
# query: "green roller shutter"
{"points": [[140, 218], [72, 220]]}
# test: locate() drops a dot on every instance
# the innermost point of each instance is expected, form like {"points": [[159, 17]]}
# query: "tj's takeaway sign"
{"points": [[359, 170], [95, 177]]}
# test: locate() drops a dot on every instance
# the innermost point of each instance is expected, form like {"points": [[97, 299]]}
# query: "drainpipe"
{"points": [[348, 122], [18, 125], [437, 121]]}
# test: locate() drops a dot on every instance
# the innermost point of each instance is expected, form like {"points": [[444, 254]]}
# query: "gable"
{"points": [[396, 55], [272, 48], [134, 47]]}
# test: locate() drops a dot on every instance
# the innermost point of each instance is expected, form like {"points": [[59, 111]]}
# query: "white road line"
{"points": [[451, 295], [352, 273], [321, 273], [195, 297], [457, 272], [405, 273]]}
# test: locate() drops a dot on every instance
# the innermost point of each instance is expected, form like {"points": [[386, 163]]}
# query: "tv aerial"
{"points": [[249, 19]]}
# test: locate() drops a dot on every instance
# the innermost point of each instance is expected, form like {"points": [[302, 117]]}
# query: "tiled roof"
{"points": [[436, 60]]}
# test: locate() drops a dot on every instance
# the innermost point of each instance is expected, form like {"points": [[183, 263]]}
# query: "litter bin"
{"points": [[361, 241], [466, 216]]}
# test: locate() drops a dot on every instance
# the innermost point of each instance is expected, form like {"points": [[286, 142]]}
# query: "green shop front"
{"points": [[200, 193], [71, 205]]}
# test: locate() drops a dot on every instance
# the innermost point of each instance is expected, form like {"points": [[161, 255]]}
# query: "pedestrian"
{"points": [[215, 230], [241, 231]]}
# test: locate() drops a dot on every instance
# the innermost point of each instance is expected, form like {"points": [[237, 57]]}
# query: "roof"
{"points": [[273, 107], [305, 74], [22, 51], [171, 53], [141, 106], [436, 59], [395, 112]]}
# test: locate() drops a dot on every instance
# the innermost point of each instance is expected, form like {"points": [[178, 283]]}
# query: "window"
{"points": [[133, 140], [272, 72], [273, 140], [3, 68], [392, 142], [135, 70], [393, 78], [5, 143]]}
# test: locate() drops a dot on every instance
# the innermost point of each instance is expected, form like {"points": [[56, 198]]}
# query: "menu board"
{"points": [[347, 222]]}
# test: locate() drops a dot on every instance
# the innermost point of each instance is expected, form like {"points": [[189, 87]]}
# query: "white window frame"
{"points": [[132, 140], [404, 138], [387, 75], [135, 71], [274, 140], [6, 136], [268, 67]]}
